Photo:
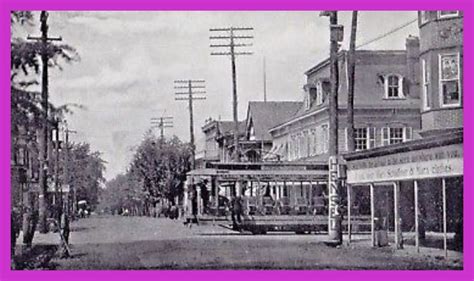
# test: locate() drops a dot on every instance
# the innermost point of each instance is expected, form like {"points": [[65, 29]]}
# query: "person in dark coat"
{"points": [[236, 211]]}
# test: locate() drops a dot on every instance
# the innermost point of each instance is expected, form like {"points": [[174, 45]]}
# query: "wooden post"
{"points": [[445, 227], [198, 199], [349, 198], [259, 203], [396, 206], [372, 214], [417, 234]]}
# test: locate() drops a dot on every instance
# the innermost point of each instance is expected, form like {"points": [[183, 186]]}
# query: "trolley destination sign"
{"points": [[434, 162]]}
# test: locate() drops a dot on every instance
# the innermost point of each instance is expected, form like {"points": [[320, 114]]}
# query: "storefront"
{"points": [[415, 188]]}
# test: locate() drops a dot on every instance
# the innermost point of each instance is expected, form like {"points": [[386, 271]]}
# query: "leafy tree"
{"points": [[86, 172], [157, 171]]}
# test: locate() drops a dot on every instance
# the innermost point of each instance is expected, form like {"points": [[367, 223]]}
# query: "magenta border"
{"points": [[7, 5]]}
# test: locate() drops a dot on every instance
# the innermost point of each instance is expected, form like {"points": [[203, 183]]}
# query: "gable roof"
{"points": [[265, 115]]}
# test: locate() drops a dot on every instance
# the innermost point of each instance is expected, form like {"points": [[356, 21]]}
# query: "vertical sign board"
{"points": [[334, 199]]}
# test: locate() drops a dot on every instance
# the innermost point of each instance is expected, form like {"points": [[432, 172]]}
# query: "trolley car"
{"points": [[275, 196]]}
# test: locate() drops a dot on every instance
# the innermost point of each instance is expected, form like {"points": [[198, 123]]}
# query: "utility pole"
{"points": [[162, 123], [350, 94], [43, 176], [231, 36], [264, 80], [190, 85], [334, 182], [56, 145], [72, 189]]}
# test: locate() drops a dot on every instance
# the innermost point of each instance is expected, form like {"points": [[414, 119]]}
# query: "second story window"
{"points": [[426, 85], [424, 17], [396, 135], [449, 80], [325, 138], [394, 87], [364, 138], [360, 138]]}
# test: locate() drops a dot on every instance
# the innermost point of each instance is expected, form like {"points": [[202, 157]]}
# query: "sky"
{"points": [[129, 61]]}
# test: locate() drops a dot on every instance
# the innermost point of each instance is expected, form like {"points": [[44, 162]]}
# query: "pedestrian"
{"points": [[64, 230], [236, 211]]}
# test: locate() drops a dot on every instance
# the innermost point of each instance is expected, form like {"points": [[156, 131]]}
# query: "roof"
{"points": [[342, 53], [265, 115], [369, 91]]}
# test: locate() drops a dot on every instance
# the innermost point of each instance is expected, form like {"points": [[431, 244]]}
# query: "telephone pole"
{"points": [[43, 151], [190, 85], [334, 181], [230, 38], [350, 94], [162, 123], [264, 80], [72, 189]]}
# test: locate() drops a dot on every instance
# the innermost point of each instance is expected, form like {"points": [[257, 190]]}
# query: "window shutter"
{"points": [[347, 139], [404, 87], [408, 133], [385, 136]]}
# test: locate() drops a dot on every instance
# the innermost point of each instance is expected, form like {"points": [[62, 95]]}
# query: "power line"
{"points": [[386, 33]]}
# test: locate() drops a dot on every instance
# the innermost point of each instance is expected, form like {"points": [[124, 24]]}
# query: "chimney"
{"points": [[413, 52]]}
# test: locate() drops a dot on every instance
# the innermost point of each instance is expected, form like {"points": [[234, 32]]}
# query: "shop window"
{"points": [[450, 94]]}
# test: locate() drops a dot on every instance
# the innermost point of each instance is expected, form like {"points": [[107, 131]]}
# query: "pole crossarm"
{"points": [[230, 54], [193, 93], [29, 37], [193, 87], [228, 45], [194, 98], [230, 28], [187, 81]]}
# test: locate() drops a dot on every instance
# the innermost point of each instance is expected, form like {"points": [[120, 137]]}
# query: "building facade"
{"points": [[441, 56], [386, 105]]}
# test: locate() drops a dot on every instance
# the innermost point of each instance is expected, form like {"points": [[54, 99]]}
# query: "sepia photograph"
{"points": [[236, 140]]}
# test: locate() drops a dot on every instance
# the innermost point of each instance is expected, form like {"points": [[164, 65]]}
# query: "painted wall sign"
{"points": [[421, 164]]}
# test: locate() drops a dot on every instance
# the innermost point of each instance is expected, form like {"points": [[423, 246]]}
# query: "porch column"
{"points": [[396, 215], [445, 227], [417, 234], [199, 200], [372, 214], [257, 193], [185, 197], [349, 198]]}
